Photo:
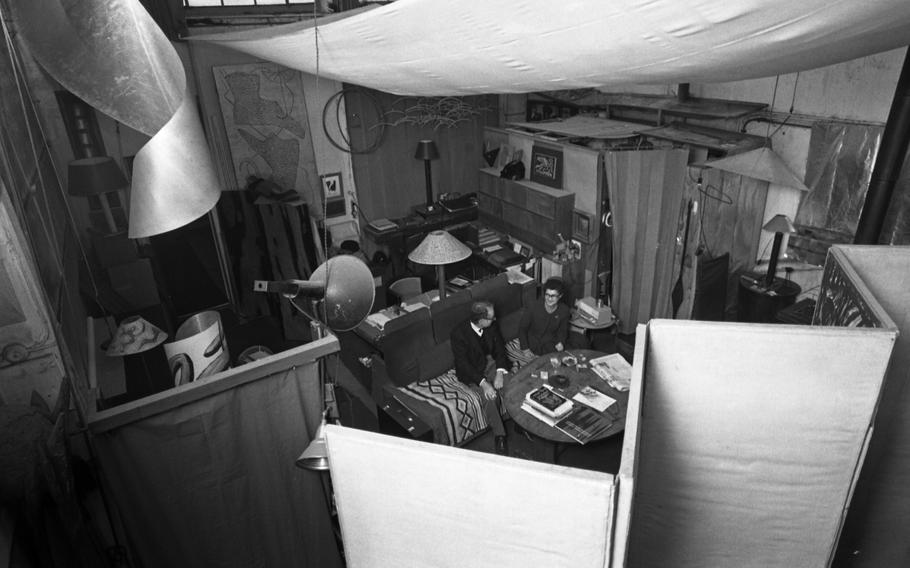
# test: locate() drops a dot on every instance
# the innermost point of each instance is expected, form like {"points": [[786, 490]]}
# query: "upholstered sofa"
{"points": [[415, 363]]}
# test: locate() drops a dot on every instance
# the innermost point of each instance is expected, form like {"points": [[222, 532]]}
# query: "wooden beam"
{"points": [[106, 420]]}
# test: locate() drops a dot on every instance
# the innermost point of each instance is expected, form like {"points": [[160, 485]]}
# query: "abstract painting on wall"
{"points": [[265, 118]]}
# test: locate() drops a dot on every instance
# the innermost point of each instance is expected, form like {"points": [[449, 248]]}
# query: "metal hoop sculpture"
{"points": [[371, 128]]}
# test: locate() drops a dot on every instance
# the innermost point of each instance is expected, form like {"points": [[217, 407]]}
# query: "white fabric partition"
{"points": [[429, 47], [749, 440], [407, 503]]}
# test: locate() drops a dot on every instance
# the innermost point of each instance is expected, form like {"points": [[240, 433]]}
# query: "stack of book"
{"points": [[487, 238], [546, 405], [383, 225], [581, 422]]}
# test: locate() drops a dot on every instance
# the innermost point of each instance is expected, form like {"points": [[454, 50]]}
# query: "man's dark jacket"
{"points": [[470, 352]]}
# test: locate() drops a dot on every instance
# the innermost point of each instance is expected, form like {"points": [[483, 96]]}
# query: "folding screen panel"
{"points": [[749, 439], [203, 474], [877, 529], [407, 503]]}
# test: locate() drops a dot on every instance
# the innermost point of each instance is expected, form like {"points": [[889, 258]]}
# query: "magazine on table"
{"points": [[548, 402], [592, 397], [613, 369], [583, 424]]}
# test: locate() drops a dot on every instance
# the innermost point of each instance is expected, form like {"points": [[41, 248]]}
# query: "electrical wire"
{"points": [[773, 100], [793, 99]]}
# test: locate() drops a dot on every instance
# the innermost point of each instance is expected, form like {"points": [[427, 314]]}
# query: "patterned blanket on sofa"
{"points": [[450, 407]]}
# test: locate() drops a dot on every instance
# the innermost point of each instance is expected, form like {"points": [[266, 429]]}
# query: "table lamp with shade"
{"points": [[437, 249], [779, 225], [427, 151]]}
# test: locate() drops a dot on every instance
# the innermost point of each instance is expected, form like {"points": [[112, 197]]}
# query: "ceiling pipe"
{"points": [[888, 163], [682, 92]]}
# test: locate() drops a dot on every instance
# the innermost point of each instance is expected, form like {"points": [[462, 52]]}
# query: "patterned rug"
{"points": [[456, 412]]}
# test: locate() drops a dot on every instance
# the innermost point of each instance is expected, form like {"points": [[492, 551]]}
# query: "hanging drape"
{"points": [[645, 188], [212, 482]]}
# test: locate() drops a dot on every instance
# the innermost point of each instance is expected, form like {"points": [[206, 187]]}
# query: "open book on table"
{"points": [[584, 423]]}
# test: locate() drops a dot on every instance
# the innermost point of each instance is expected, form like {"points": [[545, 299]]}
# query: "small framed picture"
{"points": [[335, 207], [546, 166], [581, 226], [331, 186]]}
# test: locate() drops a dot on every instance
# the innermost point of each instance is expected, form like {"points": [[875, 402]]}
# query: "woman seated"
{"points": [[544, 326]]}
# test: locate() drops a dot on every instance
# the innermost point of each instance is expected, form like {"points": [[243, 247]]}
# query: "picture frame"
{"points": [[537, 110], [546, 166], [331, 186], [581, 226], [335, 207]]}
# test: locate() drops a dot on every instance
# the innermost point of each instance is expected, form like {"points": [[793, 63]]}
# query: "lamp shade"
{"points": [[316, 455], [779, 224], [439, 247], [134, 335], [761, 163], [91, 176], [426, 150]]}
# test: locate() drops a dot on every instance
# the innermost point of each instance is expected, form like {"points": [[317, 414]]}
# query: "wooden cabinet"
{"points": [[536, 214], [531, 212]]}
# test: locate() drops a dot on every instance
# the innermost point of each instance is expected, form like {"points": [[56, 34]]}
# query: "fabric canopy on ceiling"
{"points": [[426, 47]]}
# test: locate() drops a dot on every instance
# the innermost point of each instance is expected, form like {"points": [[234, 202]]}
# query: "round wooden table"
{"points": [[528, 378]]}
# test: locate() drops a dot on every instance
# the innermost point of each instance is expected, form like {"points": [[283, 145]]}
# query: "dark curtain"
{"points": [[213, 483]]}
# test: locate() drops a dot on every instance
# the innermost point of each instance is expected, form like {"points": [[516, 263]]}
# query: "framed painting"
{"points": [[546, 166], [331, 185]]}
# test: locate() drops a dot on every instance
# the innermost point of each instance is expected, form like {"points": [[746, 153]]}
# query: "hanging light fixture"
{"points": [[316, 456], [344, 283], [760, 163]]}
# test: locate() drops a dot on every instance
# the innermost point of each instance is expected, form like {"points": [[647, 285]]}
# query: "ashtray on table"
{"points": [[558, 380]]}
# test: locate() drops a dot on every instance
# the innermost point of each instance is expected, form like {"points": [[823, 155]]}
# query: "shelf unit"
{"points": [[531, 212]]}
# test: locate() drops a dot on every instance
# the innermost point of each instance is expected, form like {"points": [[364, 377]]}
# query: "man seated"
{"points": [[481, 362]]}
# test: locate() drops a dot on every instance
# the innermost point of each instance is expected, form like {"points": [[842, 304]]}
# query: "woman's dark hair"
{"points": [[554, 284]]}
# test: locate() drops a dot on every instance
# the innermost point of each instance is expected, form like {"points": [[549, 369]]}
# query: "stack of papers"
{"points": [[383, 225], [613, 369], [538, 414]]}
